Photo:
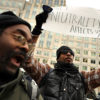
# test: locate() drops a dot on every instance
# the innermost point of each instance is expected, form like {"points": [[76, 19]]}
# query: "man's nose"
{"points": [[25, 47], [68, 53]]}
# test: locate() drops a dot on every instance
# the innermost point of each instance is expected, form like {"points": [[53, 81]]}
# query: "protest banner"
{"points": [[76, 21]]}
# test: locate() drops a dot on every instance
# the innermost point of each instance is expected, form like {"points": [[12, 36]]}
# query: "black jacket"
{"points": [[61, 84]]}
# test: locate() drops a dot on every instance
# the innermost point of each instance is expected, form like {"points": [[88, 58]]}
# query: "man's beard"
{"points": [[5, 62]]}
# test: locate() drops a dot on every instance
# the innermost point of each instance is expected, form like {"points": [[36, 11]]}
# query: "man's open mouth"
{"points": [[17, 60]]}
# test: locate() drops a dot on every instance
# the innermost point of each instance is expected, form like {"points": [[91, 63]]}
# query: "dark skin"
{"points": [[12, 51], [66, 58]]}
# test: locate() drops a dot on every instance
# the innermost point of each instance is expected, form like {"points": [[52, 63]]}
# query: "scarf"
{"points": [[67, 67]]}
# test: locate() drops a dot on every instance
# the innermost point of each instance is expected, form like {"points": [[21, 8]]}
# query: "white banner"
{"points": [[77, 21]]}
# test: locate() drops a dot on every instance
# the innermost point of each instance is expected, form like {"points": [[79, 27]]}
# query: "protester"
{"points": [[16, 43], [64, 82]]}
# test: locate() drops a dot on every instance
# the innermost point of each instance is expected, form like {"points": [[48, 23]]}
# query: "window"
{"points": [[86, 38], [85, 60], [56, 2], [57, 34], [77, 51], [53, 54], [49, 36], [93, 53], [48, 44], [42, 35], [62, 2], [13, 4], [93, 39], [78, 44], [92, 68], [38, 52], [43, 1], [50, 2], [1, 10], [38, 59], [99, 54], [93, 46], [63, 42], [33, 14], [40, 43], [56, 40], [52, 62], [93, 61], [8, 4], [70, 43], [1, 3], [46, 53], [45, 61], [85, 52], [77, 66], [28, 7], [84, 68], [79, 38], [37, 1], [71, 37], [77, 58], [20, 5], [99, 62], [85, 45]]}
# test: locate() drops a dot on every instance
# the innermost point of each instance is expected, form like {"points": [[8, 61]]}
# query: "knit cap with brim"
{"points": [[61, 49], [8, 19]]}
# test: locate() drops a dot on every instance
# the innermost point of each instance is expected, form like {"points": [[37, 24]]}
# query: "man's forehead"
{"points": [[19, 29], [25, 33]]}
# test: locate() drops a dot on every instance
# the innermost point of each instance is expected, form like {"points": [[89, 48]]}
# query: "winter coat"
{"points": [[16, 89], [59, 84]]}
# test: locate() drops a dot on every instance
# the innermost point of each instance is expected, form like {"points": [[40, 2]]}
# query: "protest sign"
{"points": [[76, 21]]}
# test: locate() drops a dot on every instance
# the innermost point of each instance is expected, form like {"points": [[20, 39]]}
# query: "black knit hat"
{"points": [[64, 49], [8, 19]]}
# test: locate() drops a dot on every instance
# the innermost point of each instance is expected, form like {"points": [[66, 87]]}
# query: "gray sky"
{"points": [[84, 3]]}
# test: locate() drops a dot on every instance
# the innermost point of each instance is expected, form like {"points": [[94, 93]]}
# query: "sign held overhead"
{"points": [[76, 21]]}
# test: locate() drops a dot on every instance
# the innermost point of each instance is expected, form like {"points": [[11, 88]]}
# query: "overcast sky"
{"points": [[84, 3]]}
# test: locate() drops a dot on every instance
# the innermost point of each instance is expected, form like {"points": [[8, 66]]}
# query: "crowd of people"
{"points": [[39, 81]]}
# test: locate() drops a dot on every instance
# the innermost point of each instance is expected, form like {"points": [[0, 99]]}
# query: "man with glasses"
{"points": [[16, 46]]}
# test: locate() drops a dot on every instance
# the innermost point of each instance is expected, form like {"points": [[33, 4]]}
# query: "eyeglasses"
{"points": [[66, 51], [23, 41]]}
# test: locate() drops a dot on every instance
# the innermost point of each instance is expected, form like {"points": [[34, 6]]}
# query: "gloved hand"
{"points": [[40, 19]]}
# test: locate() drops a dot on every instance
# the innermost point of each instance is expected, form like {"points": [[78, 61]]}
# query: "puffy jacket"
{"points": [[38, 70], [60, 85]]}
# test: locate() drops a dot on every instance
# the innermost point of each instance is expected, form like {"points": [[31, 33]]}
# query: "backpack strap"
{"points": [[35, 91], [32, 88]]}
